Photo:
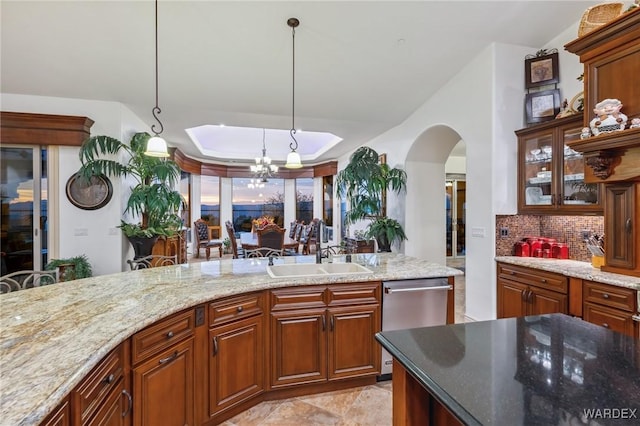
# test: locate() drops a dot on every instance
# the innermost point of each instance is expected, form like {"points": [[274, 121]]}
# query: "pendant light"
{"points": [[293, 158], [157, 146]]}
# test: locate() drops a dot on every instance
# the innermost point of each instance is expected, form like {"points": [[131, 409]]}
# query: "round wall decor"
{"points": [[89, 194]]}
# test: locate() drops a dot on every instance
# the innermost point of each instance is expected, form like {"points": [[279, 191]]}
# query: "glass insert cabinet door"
{"points": [[551, 174], [538, 170]]}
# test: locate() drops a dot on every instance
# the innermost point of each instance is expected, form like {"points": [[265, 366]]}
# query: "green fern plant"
{"points": [[81, 267], [364, 182], [152, 197]]}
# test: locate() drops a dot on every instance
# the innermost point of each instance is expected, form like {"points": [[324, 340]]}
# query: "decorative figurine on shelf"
{"points": [[609, 118], [635, 123], [586, 133]]}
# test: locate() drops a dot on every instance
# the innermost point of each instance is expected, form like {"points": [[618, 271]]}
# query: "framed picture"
{"points": [[541, 70], [89, 194], [542, 106]]}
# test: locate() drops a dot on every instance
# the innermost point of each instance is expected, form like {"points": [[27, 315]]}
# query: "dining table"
{"points": [[249, 241]]}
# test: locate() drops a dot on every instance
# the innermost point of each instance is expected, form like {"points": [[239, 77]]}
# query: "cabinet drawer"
{"points": [[298, 297], [534, 277], [235, 308], [162, 335], [92, 391], [354, 294], [608, 295], [613, 319]]}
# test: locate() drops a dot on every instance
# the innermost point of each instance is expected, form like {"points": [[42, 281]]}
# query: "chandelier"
{"points": [[263, 169]]}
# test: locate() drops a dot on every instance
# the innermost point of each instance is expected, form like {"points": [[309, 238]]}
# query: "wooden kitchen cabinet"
{"points": [[525, 291], [163, 372], [611, 58], [621, 210], [611, 307], [237, 351], [324, 334], [550, 174], [61, 415], [104, 395]]}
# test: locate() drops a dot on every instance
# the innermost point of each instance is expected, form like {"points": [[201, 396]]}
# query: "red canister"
{"points": [[536, 247], [561, 251], [521, 248]]}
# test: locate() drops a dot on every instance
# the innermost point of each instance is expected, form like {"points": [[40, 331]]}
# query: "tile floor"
{"points": [[363, 406], [367, 405]]}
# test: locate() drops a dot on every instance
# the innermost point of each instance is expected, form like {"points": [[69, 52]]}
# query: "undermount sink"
{"points": [[316, 270]]}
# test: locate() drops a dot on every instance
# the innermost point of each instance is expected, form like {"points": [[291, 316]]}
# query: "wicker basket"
{"points": [[598, 15]]}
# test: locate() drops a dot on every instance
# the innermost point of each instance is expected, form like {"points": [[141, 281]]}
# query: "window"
{"points": [[304, 199], [210, 200], [185, 190], [251, 203]]}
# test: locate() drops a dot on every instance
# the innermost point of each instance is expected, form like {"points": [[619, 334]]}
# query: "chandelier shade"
{"points": [[157, 146]]}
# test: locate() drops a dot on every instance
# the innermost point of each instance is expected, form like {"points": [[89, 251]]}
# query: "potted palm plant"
{"points": [[152, 197], [365, 182]]}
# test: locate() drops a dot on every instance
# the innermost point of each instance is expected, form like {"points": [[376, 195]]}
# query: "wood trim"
{"points": [[575, 297], [43, 129], [192, 165]]}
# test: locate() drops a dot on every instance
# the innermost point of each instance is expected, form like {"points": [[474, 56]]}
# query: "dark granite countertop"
{"points": [[536, 370]]}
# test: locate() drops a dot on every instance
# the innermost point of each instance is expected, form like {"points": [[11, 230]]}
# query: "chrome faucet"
{"points": [[319, 241]]}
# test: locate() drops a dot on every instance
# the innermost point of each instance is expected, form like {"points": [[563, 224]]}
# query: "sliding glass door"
{"points": [[23, 187]]}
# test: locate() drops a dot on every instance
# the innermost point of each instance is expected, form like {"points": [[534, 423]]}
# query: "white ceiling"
{"points": [[362, 67]]}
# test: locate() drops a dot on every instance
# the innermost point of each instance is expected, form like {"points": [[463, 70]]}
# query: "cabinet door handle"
{"points": [[109, 379], [553, 199], [523, 295], [605, 325], [324, 323], [169, 358], [130, 405], [627, 226], [169, 334], [530, 297], [331, 323], [215, 346], [239, 309]]}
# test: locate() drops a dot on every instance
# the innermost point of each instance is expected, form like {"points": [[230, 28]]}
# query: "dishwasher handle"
{"points": [[389, 290]]}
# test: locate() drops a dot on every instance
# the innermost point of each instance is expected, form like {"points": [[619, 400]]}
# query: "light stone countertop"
{"points": [[574, 268], [52, 336]]}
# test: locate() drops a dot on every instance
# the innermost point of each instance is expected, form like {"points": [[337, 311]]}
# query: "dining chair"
{"points": [[271, 237], [237, 251], [22, 280], [305, 238], [293, 228], [152, 261], [205, 241]]}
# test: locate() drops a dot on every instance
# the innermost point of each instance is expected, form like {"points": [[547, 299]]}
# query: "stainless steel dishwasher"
{"points": [[412, 304]]}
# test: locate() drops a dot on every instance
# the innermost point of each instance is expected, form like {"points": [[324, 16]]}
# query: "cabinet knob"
{"points": [[543, 280], [109, 379], [605, 296], [170, 335], [239, 309], [605, 325]]}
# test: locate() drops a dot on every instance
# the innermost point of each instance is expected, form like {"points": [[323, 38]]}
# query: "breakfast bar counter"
{"points": [[537, 370], [52, 336]]}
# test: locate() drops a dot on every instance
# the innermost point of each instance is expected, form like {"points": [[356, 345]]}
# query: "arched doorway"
{"points": [[425, 210]]}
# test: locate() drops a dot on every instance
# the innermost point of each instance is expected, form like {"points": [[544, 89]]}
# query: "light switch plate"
{"points": [[478, 232]]}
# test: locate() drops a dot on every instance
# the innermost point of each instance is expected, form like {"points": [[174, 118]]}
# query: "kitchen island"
{"points": [[52, 337], [538, 370]]}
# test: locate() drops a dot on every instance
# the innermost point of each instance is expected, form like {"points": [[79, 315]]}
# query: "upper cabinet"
{"points": [[611, 58], [551, 174]]}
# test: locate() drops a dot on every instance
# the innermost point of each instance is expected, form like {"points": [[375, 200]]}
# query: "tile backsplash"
{"points": [[565, 229]]}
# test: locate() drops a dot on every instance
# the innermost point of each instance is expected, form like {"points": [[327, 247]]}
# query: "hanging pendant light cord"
{"points": [[293, 23], [156, 110]]}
